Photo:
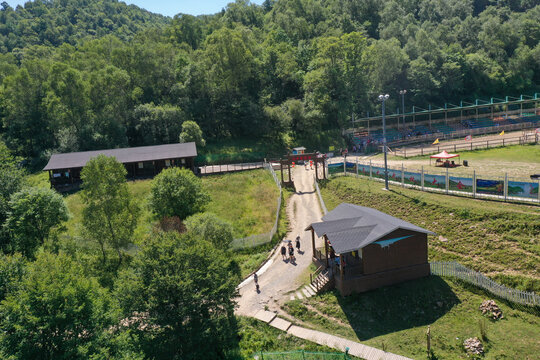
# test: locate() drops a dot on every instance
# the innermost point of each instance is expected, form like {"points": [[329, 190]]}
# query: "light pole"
{"points": [[383, 98], [402, 93]]}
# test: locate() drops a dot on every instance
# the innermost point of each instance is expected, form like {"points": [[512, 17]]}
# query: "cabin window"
{"points": [[141, 165], [167, 163], [183, 161]]}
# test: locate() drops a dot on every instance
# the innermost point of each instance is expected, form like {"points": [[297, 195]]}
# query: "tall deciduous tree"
{"points": [[177, 192], [111, 214], [57, 312], [11, 181], [33, 213], [186, 287], [191, 132]]}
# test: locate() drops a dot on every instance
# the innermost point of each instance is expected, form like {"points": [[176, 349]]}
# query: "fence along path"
{"points": [[454, 269], [259, 239]]}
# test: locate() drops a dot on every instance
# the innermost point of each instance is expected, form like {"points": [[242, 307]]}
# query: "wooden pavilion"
{"points": [[140, 162], [366, 249]]}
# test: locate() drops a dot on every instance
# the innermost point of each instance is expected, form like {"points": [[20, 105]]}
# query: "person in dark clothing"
{"points": [[256, 281], [291, 253], [283, 252], [298, 243]]}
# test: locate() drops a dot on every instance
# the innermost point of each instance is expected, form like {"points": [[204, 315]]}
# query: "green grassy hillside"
{"points": [[499, 239]]}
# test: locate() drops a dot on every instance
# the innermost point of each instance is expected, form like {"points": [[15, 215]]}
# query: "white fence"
{"points": [[448, 183], [259, 239], [323, 205], [454, 269]]}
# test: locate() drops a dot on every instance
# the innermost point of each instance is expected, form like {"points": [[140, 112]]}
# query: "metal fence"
{"points": [[475, 185], [323, 205], [454, 269], [259, 239], [299, 355]]}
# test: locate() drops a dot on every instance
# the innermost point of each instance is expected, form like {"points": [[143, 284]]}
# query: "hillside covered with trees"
{"points": [[81, 75]]}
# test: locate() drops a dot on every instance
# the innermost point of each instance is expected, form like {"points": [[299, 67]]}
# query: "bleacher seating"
{"points": [[443, 128]]}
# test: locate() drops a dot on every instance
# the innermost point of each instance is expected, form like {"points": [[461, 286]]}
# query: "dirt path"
{"points": [[277, 278]]}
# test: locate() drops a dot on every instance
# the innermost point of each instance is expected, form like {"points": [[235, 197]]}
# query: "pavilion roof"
{"points": [[351, 227], [124, 155], [444, 155]]}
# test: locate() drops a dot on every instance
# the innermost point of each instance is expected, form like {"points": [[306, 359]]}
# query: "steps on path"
{"points": [[356, 349], [321, 283]]}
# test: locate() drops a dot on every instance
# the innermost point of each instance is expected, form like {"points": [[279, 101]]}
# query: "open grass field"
{"points": [[396, 318], [501, 240], [247, 200], [517, 161]]}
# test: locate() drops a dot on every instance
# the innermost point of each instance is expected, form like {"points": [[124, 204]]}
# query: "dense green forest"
{"points": [[80, 75]]}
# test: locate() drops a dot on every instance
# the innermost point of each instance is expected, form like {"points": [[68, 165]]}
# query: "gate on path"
{"points": [[300, 355], [293, 159]]}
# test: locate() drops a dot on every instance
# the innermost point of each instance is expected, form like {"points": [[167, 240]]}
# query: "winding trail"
{"points": [[279, 279]]}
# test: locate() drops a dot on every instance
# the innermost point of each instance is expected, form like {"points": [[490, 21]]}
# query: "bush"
{"points": [[177, 192]]}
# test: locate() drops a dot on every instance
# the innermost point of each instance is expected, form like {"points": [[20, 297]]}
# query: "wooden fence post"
{"points": [[474, 184], [422, 178], [371, 170], [447, 181], [505, 185], [357, 168], [402, 176]]}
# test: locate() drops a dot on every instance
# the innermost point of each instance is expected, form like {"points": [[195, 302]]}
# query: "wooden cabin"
{"points": [[366, 249], [140, 162]]}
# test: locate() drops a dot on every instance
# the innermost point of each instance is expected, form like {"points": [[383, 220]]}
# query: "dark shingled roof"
{"points": [[125, 155], [351, 227]]}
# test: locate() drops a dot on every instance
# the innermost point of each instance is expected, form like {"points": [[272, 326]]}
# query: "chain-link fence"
{"points": [[259, 239], [300, 355]]}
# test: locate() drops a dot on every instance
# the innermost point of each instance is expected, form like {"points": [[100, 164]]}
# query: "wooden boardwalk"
{"points": [[225, 168], [335, 342]]}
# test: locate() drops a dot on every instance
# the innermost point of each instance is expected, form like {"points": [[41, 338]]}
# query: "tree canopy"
{"points": [[177, 192], [33, 213], [110, 214], [79, 75]]}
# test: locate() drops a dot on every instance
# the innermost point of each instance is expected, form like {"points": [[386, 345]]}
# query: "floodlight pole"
{"points": [[402, 93], [383, 99]]}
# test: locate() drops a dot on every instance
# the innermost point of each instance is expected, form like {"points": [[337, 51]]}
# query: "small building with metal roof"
{"points": [[144, 161], [367, 249]]}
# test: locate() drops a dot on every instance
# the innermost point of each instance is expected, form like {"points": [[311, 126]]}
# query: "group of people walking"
{"points": [[290, 250], [284, 256]]}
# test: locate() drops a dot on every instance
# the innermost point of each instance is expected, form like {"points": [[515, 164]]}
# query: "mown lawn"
{"points": [[396, 318], [499, 239]]}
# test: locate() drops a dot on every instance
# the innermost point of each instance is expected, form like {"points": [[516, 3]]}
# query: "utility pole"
{"points": [[383, 98]]}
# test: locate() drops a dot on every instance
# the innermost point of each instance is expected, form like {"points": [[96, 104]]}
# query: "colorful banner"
{"points": [[413, 178], [351, 167], [435, 181], [363, 169], [523, 189], [394, 175], [377, 172], [460, 184], [492, 187], [335, 168]]}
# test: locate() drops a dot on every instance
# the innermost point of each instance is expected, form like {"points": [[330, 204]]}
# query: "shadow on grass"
{"points": [[386, 310]]}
